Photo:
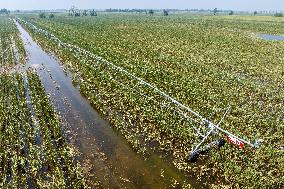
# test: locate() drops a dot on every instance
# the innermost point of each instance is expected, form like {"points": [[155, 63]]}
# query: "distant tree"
{"points": [[51, 15], [215, 11], [255, 13], [4, 11], [93, 13], [166, 13], [231, 12], [140, 11], [151, 12], [85, 13], [72, 11], [278, 14], [42, 15], [77, 13]]}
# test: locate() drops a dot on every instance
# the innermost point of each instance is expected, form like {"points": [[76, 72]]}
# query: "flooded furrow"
{"points": [[105, 155], [271, 37]]}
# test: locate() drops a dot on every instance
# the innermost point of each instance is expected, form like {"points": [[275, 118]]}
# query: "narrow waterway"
{"points": [[105, 156], [271, 37]]}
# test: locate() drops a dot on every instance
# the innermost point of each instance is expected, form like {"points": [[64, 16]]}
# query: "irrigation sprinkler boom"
{"points": [[197, 122]]}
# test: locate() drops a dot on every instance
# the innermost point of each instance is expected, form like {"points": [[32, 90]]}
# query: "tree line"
{"points": [[73, 11], [4, 11]]}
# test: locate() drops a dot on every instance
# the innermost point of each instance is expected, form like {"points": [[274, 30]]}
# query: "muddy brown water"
{"points": [[105, 155]]}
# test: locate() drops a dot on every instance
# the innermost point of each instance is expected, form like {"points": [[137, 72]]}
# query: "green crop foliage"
{"points": [[12, 51], [34, 152], [205, 62]]}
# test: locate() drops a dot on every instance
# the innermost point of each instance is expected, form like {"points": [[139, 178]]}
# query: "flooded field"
{"points": [[206, 63], [131, 100], [105, 155]]}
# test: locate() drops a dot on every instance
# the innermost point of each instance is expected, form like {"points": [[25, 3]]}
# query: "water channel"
{"points": [[271, 37], [105, 155]]}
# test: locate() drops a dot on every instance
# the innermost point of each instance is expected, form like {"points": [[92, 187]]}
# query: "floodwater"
{"points": [[271, 37], [105, 155]]}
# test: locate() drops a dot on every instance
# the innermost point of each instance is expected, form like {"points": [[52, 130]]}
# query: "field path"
{"points": [[105, 155]]}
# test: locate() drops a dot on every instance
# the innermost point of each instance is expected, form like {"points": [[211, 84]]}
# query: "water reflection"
{"points": [[271, 37]]}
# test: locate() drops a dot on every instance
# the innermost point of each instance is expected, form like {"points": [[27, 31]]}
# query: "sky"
{"points": [[246, 5]]}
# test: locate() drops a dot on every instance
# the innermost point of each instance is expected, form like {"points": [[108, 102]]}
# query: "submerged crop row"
{"points": [[205, 63], [34, 152], [11, 48]]}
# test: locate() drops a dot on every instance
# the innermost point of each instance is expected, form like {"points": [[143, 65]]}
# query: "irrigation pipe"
{"points": [[173, 100]]}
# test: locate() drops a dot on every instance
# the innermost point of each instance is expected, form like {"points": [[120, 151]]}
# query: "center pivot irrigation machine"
{"points": [[207, 134]]}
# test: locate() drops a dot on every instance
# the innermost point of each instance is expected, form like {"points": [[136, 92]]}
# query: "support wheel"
{"points": [[193, 157], [221, 143]]}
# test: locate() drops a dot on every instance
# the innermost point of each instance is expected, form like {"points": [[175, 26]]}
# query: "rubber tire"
{"points": [[203, 152], [221, 143], [193, 157]]}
